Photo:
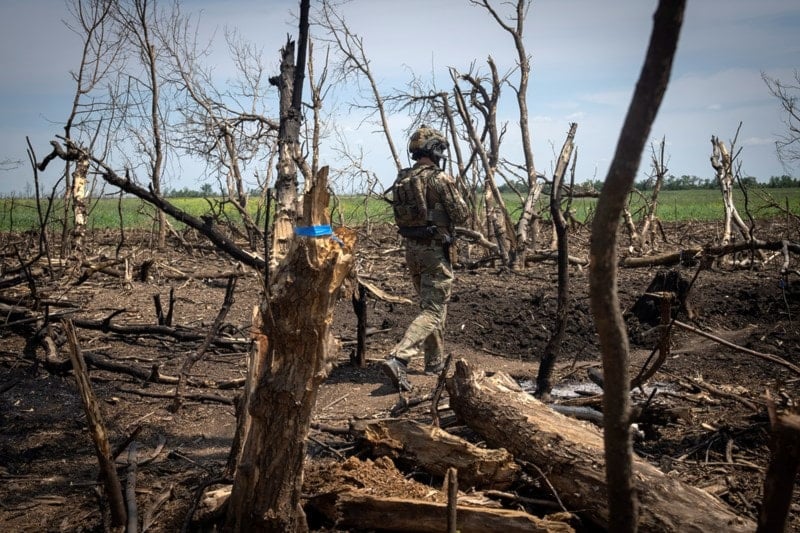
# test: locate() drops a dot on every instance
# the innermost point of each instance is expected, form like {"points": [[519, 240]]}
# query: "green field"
{"points": [[21, 214]]}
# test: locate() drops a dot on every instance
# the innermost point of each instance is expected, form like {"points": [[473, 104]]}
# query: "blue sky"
{"points": [[586, 57]]}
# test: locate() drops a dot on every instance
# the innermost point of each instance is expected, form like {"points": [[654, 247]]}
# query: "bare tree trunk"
{"points": [[79, 210], [723, 167], [523, 241], [544, 382], [266, 492], [286, 178], [622, 503]]}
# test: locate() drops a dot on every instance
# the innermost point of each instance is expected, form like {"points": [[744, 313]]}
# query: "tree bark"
{"points": [[782, 471], [297, 319], [650, 89], [570, 453]]}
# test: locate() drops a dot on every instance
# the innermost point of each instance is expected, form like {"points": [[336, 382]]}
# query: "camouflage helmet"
{"points": [[427, 141]]}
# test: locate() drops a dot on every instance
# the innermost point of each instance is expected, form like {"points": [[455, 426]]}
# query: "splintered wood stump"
{"points": [[297, 316], [435, 451], [570, 453]]}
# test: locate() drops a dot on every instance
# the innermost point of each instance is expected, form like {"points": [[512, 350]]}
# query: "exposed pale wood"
{"points": [[436, 451], [570, 453], [381, 294], [297, 319], [365, 512]]}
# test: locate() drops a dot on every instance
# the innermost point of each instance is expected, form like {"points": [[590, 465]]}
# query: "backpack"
{"points": [[408, 199]]}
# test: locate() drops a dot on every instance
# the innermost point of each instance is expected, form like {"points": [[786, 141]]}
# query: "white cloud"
{"points": [[586, 58]]}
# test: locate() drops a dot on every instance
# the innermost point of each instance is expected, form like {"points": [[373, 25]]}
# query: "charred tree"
{"points": [[297, 317], [544, 380], [290, 85]]}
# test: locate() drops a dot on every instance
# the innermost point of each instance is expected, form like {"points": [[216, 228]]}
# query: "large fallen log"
{"points": [[366, 512], [435, 451], [570, 453]]}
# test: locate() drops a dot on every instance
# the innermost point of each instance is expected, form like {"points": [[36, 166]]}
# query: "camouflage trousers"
{"points": [[432, 276]]}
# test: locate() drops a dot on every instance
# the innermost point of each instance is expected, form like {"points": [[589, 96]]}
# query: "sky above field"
{"points": [[586, 58]]}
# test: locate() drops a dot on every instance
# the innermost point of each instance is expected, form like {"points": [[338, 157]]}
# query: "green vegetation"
{"points": [[20, 214]]}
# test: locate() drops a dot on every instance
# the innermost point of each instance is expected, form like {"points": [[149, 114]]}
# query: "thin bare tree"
{"points": [[476, 104], [515, 27], [91, 22], [787, 93], [723, 163], [544, 383], [227, 128], [145, 98], [643, 235], [353, 63], [604, 299]]}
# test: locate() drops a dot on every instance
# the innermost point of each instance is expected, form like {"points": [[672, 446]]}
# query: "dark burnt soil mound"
{"points": [[709, 427]]}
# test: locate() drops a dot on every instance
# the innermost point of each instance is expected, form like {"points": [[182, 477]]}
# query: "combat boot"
{"points": [[434, 369], [395, 370]]}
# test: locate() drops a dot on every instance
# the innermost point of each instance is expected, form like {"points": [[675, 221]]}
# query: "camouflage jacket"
{"points": [[424, 196]]}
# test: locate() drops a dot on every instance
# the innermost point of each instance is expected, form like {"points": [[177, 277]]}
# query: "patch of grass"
{"points": [[20, 214]]}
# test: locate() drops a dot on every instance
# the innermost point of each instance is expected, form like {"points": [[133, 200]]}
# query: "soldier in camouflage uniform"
{"points": [[427, 207]]}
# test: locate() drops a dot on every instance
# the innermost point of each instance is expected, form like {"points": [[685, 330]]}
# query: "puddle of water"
{"points": [[577, 389]]}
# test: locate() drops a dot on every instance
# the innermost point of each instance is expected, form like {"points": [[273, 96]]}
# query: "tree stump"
{"points": [[266, 494]]}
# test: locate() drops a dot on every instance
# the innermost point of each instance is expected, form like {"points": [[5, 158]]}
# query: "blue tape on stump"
{"points": [[313, 231]]}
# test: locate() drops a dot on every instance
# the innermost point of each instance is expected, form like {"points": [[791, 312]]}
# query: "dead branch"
{"points": [[152, 511], [97, 429], [692, 254], [767, 357], [193, 397], [351, 509], [180, 333], [130, 491], [196, 356]]}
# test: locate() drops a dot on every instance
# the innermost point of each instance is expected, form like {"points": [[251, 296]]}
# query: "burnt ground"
{"points": [[498, 320]]}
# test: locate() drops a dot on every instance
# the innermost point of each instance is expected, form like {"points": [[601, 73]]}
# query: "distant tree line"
{"points": [[671, 183], [685, 182]]}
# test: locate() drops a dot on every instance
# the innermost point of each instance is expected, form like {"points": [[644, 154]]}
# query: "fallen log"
{"points": [[688, 255], [570, 453], [435, 451], [366, 512]]}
